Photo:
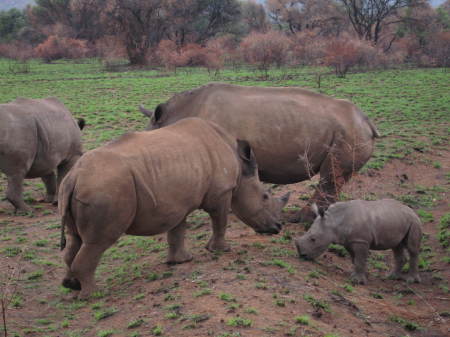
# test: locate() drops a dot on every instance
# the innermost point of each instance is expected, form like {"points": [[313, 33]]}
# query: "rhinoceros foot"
{"points": [[358, 278], [411, 278], [179, 258], [214, 246], [24, 210], [49, 199], [71, 283]]}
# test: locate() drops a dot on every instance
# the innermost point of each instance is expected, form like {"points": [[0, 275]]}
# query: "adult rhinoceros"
{"points": [[147, 183], [37, 137], [295, 133]]}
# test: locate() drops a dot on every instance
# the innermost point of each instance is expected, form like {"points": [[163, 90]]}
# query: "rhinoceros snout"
{"points": [[275, 229]]}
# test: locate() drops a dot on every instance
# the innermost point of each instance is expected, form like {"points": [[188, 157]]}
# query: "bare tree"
{"points": [[368, 16], [141, 23], [300, 15]]}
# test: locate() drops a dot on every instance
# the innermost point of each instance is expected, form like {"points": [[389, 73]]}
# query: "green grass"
{"points": [[444, 230], [410, 107]]}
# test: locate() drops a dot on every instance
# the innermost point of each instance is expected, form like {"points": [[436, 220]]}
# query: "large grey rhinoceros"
{"points": [[295, 133], [37, 138], [147, 183], [361, 225]]}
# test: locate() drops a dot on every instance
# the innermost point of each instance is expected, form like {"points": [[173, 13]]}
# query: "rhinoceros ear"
{"points": [[315, 209], [248, 158], [145, 111]]}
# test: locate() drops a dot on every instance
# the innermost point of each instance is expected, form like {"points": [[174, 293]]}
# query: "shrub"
{"points": [[16, 51], [266, 49], [438, 48], [344, 53], [55, 48], [193, 55], [308, 48], [111, 50]]}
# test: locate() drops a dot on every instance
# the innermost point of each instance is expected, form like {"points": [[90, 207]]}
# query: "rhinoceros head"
{"points": [[317, 238], [251, 202]]}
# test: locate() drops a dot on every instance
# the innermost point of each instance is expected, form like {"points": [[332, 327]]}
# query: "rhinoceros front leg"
{"points": [[361, 252], [14, 192], [50, 186], [177, 249], [219, 217]]}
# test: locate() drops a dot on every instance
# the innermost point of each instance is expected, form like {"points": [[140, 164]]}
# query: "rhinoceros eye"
{"points": [[266, 196], [312, 239]]}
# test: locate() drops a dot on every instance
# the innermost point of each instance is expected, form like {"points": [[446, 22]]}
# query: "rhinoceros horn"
{"points": [[145, 111]]}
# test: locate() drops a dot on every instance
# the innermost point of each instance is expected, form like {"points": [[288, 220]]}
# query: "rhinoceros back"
{"points": [[37, 135]]}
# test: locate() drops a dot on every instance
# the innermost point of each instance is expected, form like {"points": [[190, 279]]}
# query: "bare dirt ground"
{"points": [[260, 288]]}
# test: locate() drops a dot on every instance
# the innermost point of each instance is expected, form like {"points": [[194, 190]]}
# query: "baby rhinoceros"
{"points": [[147, 183], [37, 138], [361, 225]]}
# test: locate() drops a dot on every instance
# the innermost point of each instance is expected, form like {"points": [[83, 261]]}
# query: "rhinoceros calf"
{"points": [[37, 137], [147, 183], [295, 133], [361, 225]]}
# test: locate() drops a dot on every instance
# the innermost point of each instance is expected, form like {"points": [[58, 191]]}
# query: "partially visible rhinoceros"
{"points": [[37, 138], [361, 225], [295, 133], [147, 183]]}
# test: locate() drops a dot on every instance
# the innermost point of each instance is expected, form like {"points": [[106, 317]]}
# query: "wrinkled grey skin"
{"points": [[295, 133], [361, 225], [147, 183], [37, 138]]}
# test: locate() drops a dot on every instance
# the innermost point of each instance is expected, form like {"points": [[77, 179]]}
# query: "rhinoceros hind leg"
{"points": [[84, 265], [50, 186], [413, 247], [400, 260], [73, 246], [177, 249], [14, 193]]}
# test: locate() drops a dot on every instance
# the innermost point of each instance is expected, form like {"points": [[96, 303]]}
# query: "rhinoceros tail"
{"points": [[373, 128], [375, 133], [81, 123], [65, 195]]}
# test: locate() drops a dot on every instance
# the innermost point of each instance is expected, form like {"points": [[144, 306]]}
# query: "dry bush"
{"points": [[191, 55], [56, 47], [345, 52], [111, 50], [16, 51], [168, 56], [19, 54], [308, 48], [266, 49], [438, 48], [410, 47]]}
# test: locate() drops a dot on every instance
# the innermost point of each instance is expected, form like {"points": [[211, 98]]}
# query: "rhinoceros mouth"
{"points": [[275, 229]]}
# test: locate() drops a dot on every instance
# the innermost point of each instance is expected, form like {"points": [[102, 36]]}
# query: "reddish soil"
{"points": [[261, 279]]}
